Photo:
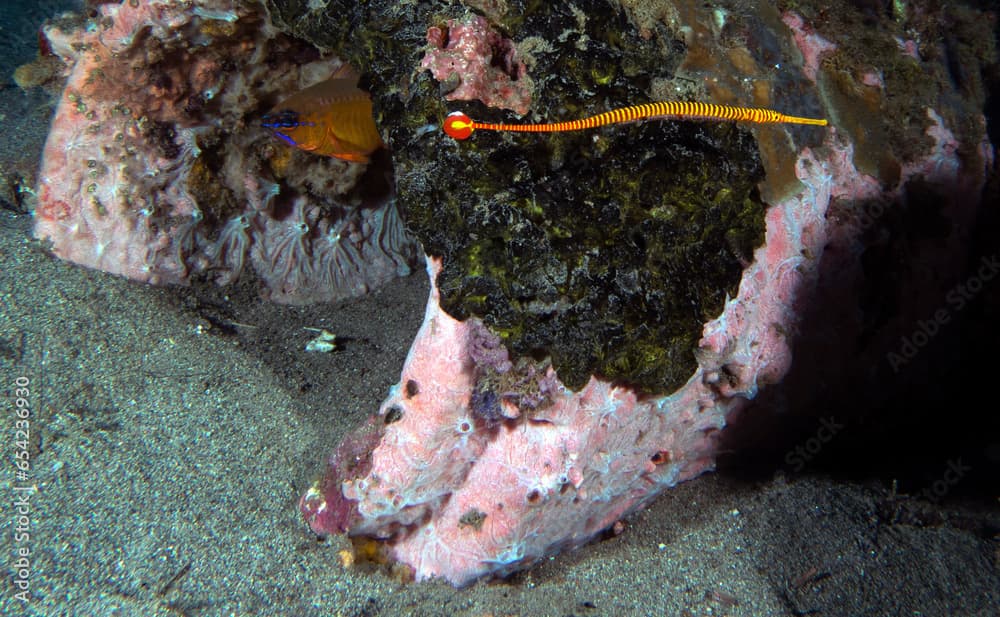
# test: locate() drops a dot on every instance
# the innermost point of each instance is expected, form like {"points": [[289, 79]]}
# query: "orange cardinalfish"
{"points": [[460, 126], [332, 118]]}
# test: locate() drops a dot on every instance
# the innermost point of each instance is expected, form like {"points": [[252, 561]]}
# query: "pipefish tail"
{"points": [[460, 126]]}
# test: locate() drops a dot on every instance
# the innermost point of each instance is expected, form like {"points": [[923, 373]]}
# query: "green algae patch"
{"points": [[603, 250], [609, 260]]}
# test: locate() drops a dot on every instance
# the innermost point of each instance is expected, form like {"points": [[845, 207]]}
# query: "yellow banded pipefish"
{"points": [[460, 126], [332, 118]]}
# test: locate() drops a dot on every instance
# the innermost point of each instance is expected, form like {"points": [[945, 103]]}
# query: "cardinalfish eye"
{"points": [[460, 126], [284, 120]]}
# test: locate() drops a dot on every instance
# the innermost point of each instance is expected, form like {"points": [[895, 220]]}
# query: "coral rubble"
{"points": [[480, 64]]}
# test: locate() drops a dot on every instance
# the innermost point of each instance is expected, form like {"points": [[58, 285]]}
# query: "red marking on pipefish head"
{"points": [[458, 125]]}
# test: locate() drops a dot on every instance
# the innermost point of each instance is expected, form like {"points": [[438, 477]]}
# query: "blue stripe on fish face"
{"points": [[286, 139], [284, 119]]}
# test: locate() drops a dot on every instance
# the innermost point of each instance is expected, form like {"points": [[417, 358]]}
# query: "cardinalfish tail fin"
{"points": [[460, 126]]}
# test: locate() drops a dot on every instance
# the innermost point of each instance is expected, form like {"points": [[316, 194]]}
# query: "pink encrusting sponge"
{"points": [[457, 495]]}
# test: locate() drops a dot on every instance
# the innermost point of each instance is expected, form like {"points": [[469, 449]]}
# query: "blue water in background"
{"points": [[19, 24]]}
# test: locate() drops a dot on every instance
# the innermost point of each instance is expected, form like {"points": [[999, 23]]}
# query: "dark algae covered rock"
{"points": [[606, 250]]}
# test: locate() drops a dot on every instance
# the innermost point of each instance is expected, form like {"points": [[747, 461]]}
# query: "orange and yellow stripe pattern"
{"points": [[460, 126]]}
